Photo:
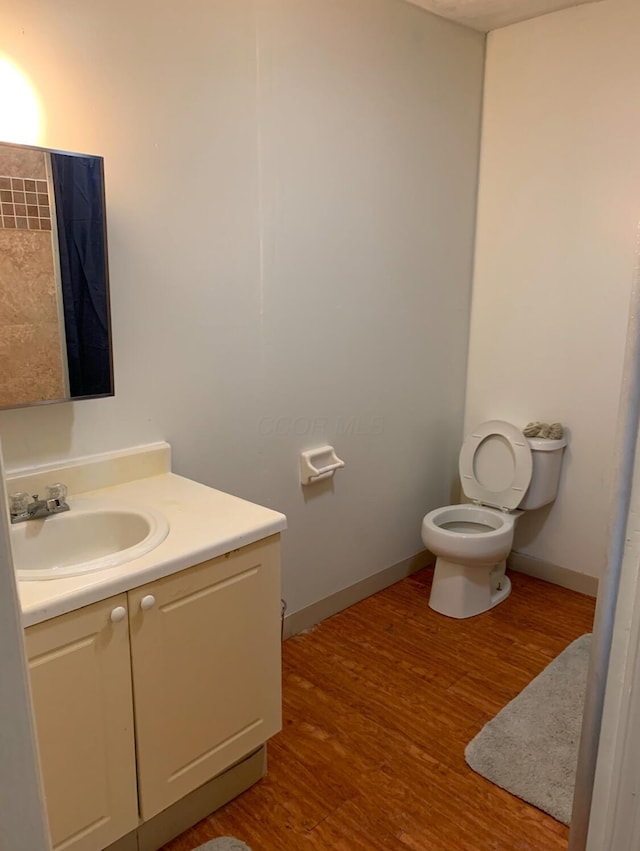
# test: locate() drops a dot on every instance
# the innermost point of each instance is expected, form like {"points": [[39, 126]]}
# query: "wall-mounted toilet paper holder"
{"points": [[318, 464]]}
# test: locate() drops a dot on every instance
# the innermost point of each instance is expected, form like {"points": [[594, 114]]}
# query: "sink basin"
{"points": [[93, 535]]}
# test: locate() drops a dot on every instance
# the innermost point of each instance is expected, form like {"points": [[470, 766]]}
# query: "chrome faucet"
{"points": [[24, 507]]}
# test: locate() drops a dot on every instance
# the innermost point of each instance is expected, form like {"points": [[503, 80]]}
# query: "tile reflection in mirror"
{"points": [[55, 334]]}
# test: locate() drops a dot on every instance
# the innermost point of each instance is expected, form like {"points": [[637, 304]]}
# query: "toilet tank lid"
{"points": [[541, 444]]}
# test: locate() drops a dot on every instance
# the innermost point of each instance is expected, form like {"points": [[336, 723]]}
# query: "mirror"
{"points": [[55, 323]]}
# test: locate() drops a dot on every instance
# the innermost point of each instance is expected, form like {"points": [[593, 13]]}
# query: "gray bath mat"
{"points": [[531, 747], [224, 843]]}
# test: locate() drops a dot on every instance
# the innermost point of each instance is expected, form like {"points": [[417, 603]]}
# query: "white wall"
{"points": [[558, 213], [291, 193]]}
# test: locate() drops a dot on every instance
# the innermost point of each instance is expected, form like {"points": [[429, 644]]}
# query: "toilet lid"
{"points": [[495, 465]]}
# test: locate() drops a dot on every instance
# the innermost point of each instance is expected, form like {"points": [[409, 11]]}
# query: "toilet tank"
{"points": [[546, 456]]}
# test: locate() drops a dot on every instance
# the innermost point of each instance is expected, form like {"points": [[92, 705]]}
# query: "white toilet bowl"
{"points": [[500, 471], [473, 534], [472, 543]]}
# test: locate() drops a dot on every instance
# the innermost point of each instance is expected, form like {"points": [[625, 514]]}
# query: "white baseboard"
{"points": [[311, 615], [562, 576], [321, 610]]}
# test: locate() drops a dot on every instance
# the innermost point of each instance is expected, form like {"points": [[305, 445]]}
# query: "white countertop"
{"points": [[204, 523]]}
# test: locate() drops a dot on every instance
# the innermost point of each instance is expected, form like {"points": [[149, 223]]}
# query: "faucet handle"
{"points": [[57, 491], [18, 503]]}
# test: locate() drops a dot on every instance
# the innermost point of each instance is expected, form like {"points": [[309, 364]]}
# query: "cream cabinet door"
{"points": [[205, 653], [81, 686]]}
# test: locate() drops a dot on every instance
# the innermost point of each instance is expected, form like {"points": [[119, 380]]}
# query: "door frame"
{"points": [[22, 810], [605, 811]]}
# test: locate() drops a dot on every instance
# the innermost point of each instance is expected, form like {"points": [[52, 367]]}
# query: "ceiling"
{"points": [[485, 15]]}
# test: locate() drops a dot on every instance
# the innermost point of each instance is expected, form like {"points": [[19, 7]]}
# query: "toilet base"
{"points": [[462, 591]]}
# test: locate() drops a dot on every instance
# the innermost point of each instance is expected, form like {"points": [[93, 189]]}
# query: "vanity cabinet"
{"points": [[191, 662], [205, 656], [81, 689]]}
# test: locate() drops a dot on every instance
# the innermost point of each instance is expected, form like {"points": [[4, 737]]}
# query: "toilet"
{"points": [[503, 473]]}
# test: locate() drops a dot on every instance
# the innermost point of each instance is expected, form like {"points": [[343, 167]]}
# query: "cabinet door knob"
{"points": [[118, 614], [147, 602]]}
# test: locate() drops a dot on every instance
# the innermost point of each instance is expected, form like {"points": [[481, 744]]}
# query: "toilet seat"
{"points": [[513, 468]]}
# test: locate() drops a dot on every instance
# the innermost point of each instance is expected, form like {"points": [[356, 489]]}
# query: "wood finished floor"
{"points": [[379, 703]]}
